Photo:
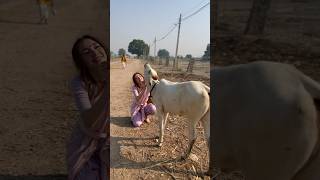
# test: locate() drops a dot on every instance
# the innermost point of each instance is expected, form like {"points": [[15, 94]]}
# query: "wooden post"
{"points": [[167, 61], [190, 65]]}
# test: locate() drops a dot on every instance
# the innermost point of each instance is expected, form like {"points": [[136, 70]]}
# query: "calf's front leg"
{"points": [[161, 127]]}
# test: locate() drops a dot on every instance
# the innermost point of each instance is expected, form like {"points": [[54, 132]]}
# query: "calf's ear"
{"points": [[155, 77]]}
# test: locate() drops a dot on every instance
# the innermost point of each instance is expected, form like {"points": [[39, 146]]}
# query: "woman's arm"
{"points": [[96, 112], [89, 113], [138, 95]]}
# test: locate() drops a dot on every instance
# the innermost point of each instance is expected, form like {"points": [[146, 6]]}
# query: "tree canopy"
{"points": [[138, 47], [189, 56], [206, 55], [163, 53], [121, 52]]}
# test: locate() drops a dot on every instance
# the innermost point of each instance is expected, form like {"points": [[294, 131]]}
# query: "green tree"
{"points": [[146, 50], [206, 55], [163, 53], [188, 56], [112, 54], [122, 52], [137, 47]]}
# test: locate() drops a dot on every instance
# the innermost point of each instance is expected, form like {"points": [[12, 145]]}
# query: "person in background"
{"points": [[124, 61], [44, 6], [52, 8]]}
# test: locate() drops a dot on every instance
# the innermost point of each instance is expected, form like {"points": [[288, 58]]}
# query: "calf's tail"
{"points": [[207, 88]]}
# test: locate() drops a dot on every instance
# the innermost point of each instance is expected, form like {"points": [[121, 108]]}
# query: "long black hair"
{"points": [[83, 69]]}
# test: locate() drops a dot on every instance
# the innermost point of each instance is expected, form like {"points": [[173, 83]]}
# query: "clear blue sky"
{"points": [[145, 19]]}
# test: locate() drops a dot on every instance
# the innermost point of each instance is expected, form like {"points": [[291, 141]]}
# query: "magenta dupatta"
{"points": [[141, 103], [85, 142]]}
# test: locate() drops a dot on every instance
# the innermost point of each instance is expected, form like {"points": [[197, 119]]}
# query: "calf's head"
{"points": [[150, 75]]}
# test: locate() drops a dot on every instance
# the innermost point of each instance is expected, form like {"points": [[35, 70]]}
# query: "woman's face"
{"points": [[93, 55], [139, 80]]}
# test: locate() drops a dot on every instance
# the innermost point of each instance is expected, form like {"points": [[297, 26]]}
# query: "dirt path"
{"points": [[120, 94], [37, 110], [135, 148]]}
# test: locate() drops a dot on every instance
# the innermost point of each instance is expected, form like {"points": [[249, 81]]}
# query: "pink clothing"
{"points": [[138, 119], [85, 146], [140, 109]]}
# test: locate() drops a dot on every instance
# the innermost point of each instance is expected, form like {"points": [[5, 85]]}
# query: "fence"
{"points": [[193, 65]]}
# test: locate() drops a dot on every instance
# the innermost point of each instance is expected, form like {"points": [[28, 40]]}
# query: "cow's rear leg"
{"points": [[206, 126], [192, 138]]}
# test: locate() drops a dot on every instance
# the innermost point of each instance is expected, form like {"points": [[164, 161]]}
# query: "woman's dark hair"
{"points": [[83, 69], [134, 80]]}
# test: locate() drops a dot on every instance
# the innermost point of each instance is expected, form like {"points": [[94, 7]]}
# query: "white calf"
{"points": [[265, 122], [190, 99]]}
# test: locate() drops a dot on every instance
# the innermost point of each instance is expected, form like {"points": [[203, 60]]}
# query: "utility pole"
{"points": [[155, 47], [175, 63]]}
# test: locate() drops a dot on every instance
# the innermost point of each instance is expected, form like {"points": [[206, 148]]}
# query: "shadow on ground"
{"points": [[122, 121], [18, 22], [34, 177], [159, 166]]}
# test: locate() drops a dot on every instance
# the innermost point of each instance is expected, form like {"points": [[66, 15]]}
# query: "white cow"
{"points": [[265, 122], [190, 99]]}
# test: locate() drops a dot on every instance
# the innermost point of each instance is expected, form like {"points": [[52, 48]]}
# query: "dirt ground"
{"points": [[291, 35], [134, 150], [37, 110]]}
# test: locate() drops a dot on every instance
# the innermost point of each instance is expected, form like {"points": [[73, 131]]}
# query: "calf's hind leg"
{"points": [[206, 126], [191, 137], [205, 120]]}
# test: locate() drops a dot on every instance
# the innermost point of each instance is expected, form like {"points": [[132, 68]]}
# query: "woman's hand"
{"points": [[144, 87], [149, 100]]}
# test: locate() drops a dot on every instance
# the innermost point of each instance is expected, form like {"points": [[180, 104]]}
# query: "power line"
{"points": [[195, 12], [191, 9], [183, 19], [175, 25]]}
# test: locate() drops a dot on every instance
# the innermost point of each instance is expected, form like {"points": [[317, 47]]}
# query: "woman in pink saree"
{"points": [[88, 147], [141, 106]]}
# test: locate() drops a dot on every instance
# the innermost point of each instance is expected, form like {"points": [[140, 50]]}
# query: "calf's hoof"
{"points": [[160, 144], [211, 174]]}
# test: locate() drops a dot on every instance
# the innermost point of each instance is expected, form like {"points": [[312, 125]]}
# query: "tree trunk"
{"points": [[257, 18], [167, 61], [174, 64]]}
